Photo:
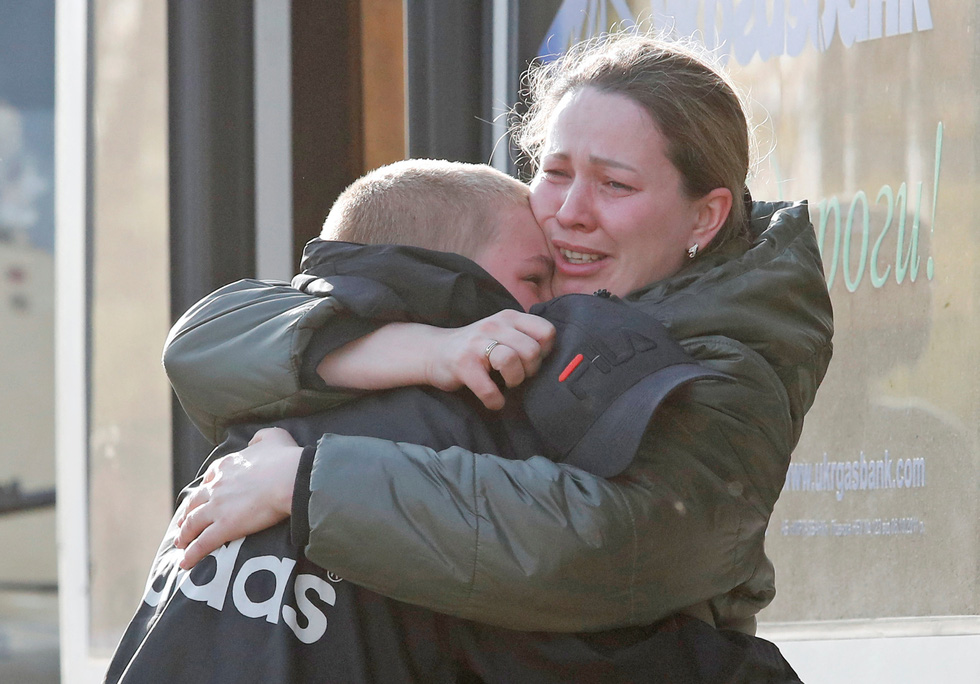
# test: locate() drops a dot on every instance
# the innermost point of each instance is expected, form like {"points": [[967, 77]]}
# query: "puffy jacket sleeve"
{"points": [[536, 545], [242, 354], [236, 355]]}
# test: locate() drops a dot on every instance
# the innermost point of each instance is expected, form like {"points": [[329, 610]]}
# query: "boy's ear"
{"points": [[712, 213]]}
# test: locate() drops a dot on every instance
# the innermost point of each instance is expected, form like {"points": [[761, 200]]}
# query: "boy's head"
{"points": [[471, 209]]}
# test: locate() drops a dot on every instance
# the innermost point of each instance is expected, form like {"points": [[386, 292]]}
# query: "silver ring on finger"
{"points": [[486, 352]]}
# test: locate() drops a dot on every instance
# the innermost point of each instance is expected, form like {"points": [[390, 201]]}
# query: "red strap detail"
{"points": [[572, 365]]}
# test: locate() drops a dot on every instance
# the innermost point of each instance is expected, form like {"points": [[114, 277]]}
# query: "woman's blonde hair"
{"points": [[692, 102]]}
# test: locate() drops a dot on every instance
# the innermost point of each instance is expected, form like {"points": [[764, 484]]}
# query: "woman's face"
{"points": [[610, 203]]}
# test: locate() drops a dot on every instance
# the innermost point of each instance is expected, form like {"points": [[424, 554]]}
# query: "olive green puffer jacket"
{"points": [[536, 545]]}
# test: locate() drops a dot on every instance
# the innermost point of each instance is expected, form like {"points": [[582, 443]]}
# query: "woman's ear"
{"points": [[713, 210]]}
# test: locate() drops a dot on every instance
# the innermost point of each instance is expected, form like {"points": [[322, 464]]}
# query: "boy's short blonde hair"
{"points": [[435, 204]]}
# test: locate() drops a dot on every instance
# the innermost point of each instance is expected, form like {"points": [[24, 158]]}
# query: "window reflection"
{"points": [[129, 441], [28, 573]]}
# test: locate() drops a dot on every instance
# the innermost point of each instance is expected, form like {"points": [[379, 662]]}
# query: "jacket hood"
{"points": [[769, 295], [422, 285]]}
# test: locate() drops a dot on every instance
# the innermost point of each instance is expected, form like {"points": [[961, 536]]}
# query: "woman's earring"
{"points": [[692, 251]]}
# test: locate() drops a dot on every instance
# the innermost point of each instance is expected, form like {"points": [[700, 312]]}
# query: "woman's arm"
{"points": [[404, 354], [239, 494], [238, 355], [537, 545]]}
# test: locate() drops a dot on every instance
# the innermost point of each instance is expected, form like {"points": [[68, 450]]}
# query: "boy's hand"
{"points": [[241, 493], [466, 356]]}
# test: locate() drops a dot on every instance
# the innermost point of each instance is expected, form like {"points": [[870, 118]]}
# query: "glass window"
{"points": [[130, 497], [28, 569], [878, 515]]}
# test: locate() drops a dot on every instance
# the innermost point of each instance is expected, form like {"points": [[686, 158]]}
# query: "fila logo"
{"points": [[214, 592], [599, 354]]}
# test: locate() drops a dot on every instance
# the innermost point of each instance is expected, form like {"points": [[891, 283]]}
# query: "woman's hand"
{"points": [[458, 357], [404, 354], [240, 494]]}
